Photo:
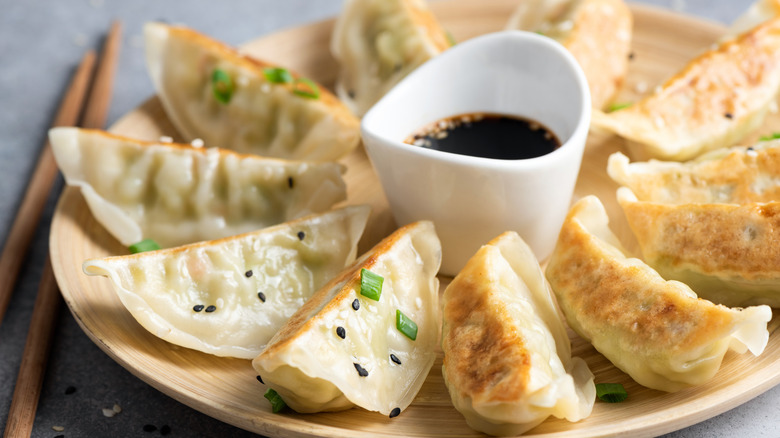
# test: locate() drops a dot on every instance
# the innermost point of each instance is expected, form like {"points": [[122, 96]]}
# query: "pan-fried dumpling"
{"points": [[596, 32], [715, 101], [757, 13], [228, 297], [228, 100], [178, 194], [366, 346], [730, 175], [507, 357], [658, 332], [727, 253], [378, 42]]}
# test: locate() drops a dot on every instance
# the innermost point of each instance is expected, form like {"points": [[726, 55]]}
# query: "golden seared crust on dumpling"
{"points": [[656, 331], [728, 253], [485, 358], [734, 175], [343, 348], [256, 116], [507, 357], [597, 32], [716, 100], [378, 42]]}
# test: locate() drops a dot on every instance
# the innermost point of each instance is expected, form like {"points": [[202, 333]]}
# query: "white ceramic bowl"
{"points": [[472, 199]]}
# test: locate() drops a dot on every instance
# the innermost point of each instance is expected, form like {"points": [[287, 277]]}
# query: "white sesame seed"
{"points": [[640, 87], [265, 88], [117, 408], [198, 143], [242, 80], [108, 412], [166, 139], [751, 153], [57, 428]]}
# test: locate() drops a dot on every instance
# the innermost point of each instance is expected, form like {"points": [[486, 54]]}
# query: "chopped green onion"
{"points": [[143, 246], [611, 392], [405, 325], [773, 136], [451, 39], [223, 85], [310, 89], [370, 284], [618, 106], [277, 75], [277, 404]]}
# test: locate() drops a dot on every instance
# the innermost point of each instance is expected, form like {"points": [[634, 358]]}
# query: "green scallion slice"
{"points": [[773, 136], [143, 246], [618, 106], [277, 75], [306, 88], [370, 284], [451, 39], [405, 325], [277, 404], [611, 392], [223, 85]]}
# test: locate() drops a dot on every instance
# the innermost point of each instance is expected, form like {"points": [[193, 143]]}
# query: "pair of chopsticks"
{"points": [[31, 371]]}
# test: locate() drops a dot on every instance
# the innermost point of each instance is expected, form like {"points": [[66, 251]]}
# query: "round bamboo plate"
{"points": [[227, 389]]}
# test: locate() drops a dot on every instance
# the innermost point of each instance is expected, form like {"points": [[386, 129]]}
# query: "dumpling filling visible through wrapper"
{"points": [[228, 297], [343, 348]]}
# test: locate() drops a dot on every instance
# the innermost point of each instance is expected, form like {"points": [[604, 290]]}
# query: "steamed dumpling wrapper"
{"points": [[596, 32], [232, 101], [658, 332], [228, 297], [177, 194], [731, 175], [377, 43], [507, 357], [343, 348], [714, 102], [727, 253]]}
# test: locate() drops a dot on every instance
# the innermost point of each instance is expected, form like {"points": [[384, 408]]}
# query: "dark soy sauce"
{"points": [[487, 135]]}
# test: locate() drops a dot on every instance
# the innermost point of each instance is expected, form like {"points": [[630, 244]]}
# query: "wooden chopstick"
{"points": [[25, 223], [31, 371], [40, 185]]}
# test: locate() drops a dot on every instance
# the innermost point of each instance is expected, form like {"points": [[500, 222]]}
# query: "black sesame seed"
{"points": [[290, 182], [351, 94], [341, 332], [165, 430], [198, 307], [728, 115], [70, 390], [210, 309], [361, 371], [631, 56], [750, 149], [356, 304], [261, 296], [260, 379], [248, 273], [395, 412], [395, 359], [149, 427], [301, 235]]}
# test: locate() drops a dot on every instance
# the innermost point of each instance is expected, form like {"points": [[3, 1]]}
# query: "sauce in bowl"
{"points": [[487, 135]]}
